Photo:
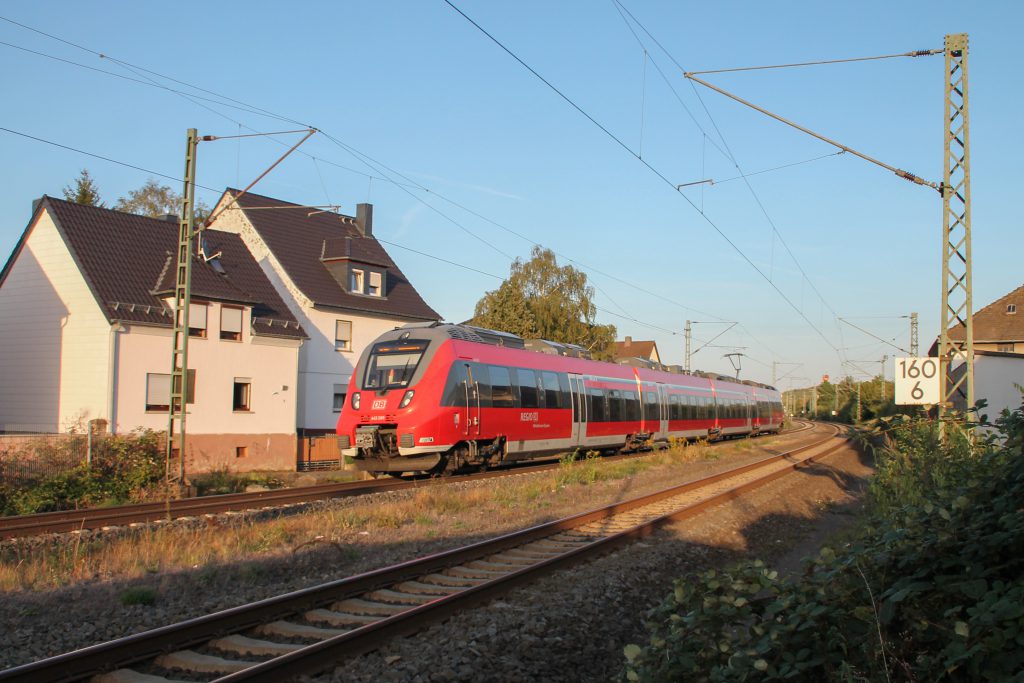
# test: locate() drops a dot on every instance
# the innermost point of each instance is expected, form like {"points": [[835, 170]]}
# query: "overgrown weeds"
{"points": [[931, 588]]}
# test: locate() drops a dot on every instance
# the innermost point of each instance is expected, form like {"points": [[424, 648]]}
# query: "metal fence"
{"points": [[27, 457]]}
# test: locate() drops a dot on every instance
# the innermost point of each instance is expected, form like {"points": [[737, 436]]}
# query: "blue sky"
{"points": [[471, 152]]}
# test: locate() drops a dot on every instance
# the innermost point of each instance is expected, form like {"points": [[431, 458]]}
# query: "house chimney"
{"points": [[629, 340], [364, 219], [170, 217]]}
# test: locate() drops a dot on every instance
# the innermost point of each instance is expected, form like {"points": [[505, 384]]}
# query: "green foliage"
{"points": [[124, 468], [543, 300], [138, 595], [84, 191], [156, 200], [930, 589], [222, 480]]}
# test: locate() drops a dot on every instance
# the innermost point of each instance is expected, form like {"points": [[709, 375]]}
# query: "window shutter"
{"points": [[230, 320], [197, 316], [158, 389]]}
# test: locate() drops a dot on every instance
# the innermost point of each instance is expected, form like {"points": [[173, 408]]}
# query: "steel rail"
{"points": [[104, 657], [141, 513]]}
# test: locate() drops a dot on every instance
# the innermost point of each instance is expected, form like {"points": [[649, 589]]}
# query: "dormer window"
{"points": [[1011, 309], [375, 284], [356, 281]]}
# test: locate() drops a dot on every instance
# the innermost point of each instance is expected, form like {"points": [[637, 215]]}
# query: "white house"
{"points": [[85, 334], [337, 281]]}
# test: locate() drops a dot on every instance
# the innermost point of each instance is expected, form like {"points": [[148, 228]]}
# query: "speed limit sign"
{"points": [[917, 381]]}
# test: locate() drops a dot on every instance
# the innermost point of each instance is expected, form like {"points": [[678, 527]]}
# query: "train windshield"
{"points": [[392, 364]]}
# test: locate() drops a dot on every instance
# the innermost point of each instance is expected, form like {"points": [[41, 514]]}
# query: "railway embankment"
{"points": [[99, 601]]}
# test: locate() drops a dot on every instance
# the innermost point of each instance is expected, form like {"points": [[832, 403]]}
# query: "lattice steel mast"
{"points": [[176, 410], [957, 306]]}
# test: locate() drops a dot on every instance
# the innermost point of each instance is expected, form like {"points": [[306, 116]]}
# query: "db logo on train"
{"points": [[380, 404]]}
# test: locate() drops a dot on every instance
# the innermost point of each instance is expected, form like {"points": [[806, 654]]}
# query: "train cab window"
{"points": [[598, 413], [552, 392], [501, 387], [393, 363], [529, 397], [455, 389]]}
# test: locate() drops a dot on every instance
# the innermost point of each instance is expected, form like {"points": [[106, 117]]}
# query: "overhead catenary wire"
{"points": [[654, 170], [223, 100], [360, 156]]}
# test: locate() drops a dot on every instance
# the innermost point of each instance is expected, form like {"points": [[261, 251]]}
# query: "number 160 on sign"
{"points": [[917, 381]]}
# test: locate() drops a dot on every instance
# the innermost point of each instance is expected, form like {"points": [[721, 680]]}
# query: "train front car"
{"points": [[389, 421]]}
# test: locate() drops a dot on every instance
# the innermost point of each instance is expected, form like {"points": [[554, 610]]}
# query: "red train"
{"points": [[433, 397]]}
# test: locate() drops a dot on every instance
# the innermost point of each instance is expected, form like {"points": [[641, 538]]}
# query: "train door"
{"points": [[663, 403], [578, 393], [472, 403]]}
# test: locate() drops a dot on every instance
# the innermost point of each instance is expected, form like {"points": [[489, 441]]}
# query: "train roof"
{"points": [[480, 335]]}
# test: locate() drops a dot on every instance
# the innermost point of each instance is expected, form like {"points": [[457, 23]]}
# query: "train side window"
{"points": [[529, 397], [501, 387], [597, 406], [630, 406], [455, 387], [615, 406], [482, 379], [651, 404], [552, 392], [563, 389]]}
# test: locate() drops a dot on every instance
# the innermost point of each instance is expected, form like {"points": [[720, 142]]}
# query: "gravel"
{"points": [[569, 626]]}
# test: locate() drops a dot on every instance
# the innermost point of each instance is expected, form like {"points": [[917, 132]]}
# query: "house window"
{"points": [[158, 391], [241, 400], [343, 335], [1011, 308], [197, 320], [241, 451], [231, 323], [339, 397], [1006, 348], [375, 284], [356, 281]]}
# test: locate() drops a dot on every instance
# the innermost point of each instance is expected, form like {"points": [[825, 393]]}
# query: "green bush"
{"points": [[123, 469], [931, 589]]}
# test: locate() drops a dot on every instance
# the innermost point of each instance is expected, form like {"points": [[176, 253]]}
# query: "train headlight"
{"points": [[355, 401], [407, 398]]}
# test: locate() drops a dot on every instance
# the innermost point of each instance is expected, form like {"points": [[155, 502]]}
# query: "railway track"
{"points": [[141, 513], [309, 630]]}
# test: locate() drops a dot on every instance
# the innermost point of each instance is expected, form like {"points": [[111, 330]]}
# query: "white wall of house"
{"points": [[321, 364], [995, 378], [268, 364], [54, 339]]}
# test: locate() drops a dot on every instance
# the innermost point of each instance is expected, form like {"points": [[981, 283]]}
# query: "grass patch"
{"points": [[138, 595]]}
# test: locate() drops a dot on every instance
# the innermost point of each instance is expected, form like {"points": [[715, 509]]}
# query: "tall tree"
{"points": [[156, 200], [84, 191], [541, 299]]}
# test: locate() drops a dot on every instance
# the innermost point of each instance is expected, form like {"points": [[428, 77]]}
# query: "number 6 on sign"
{"points": [[917, 381]]}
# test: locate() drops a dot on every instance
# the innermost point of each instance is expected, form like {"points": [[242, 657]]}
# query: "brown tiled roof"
{"points": [[299, 240], [994, 324], [129, 264], [636, 349]]}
